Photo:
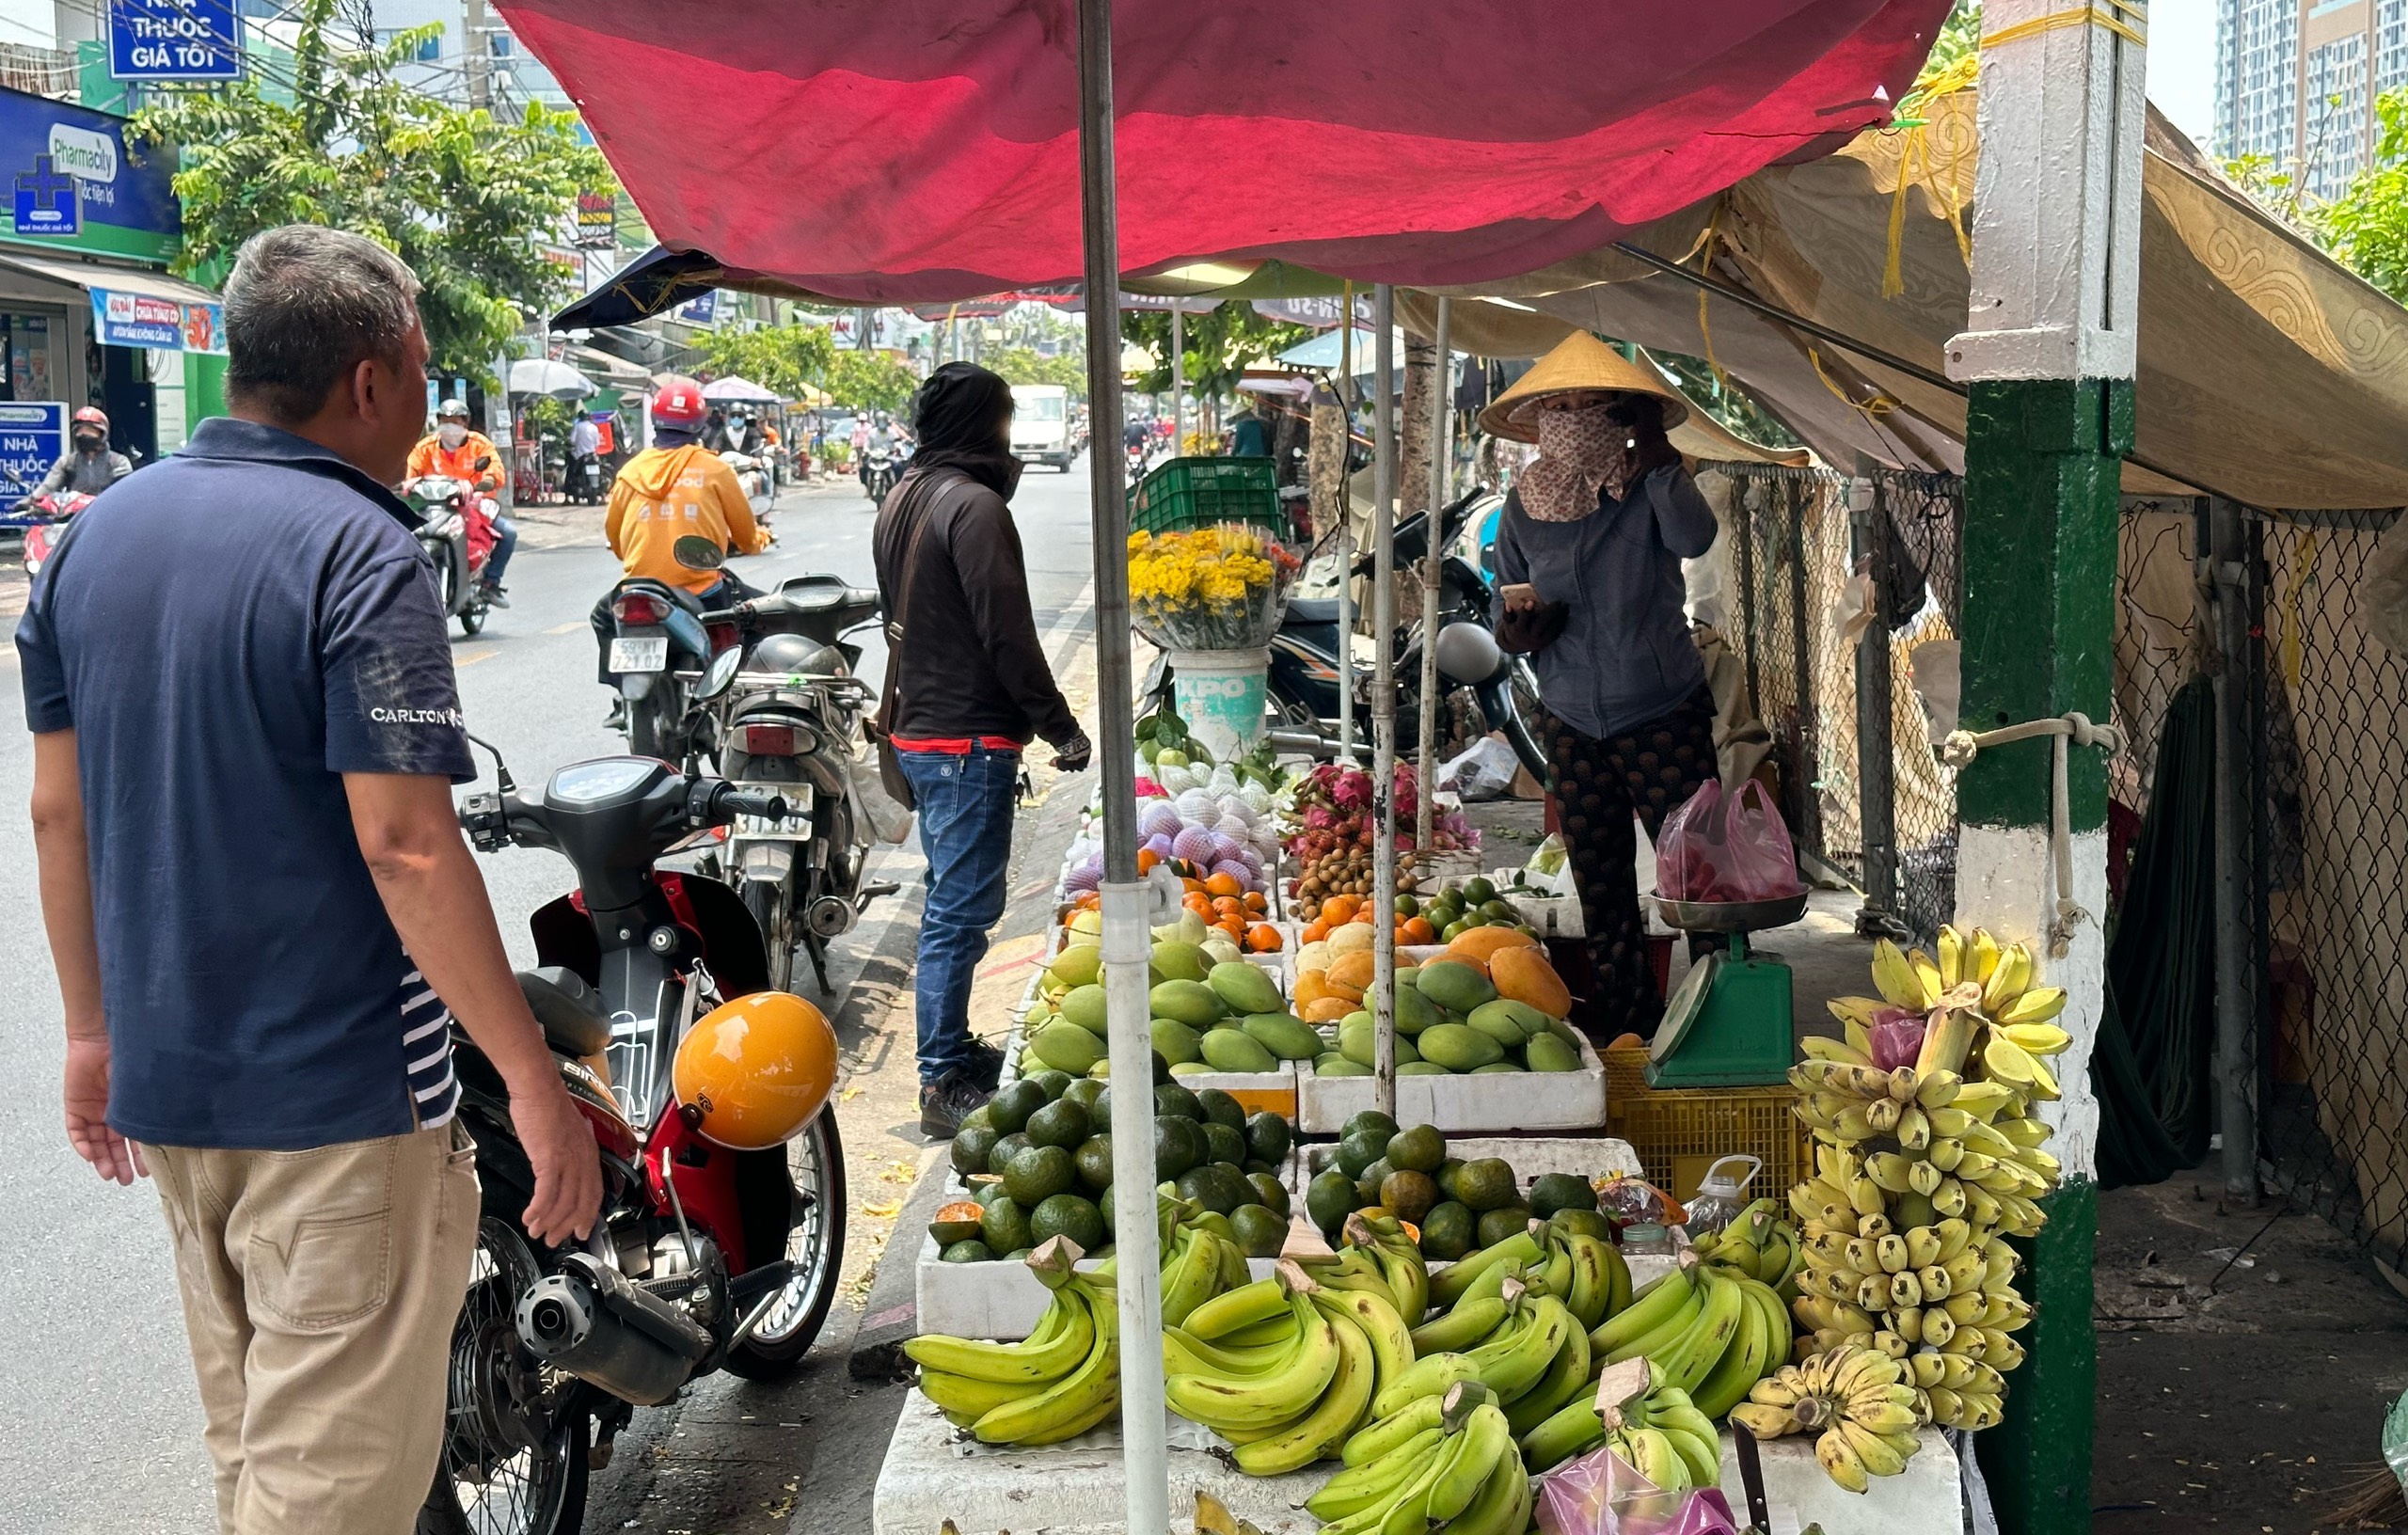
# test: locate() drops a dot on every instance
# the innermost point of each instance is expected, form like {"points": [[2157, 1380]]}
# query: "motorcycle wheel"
{"points": [[643, 729], [506, 1467], [1523, 694], [471, 620], [774, 915], [816, 1247]]}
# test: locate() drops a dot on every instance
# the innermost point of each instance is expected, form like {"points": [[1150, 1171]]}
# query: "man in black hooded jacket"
{"points": [[969, 688]]}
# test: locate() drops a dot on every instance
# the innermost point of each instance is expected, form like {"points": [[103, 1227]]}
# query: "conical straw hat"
{"points": [[1580, 361]]}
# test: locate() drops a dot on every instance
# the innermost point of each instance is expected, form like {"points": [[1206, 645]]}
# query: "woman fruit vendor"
{"points": [[1588, 556]]}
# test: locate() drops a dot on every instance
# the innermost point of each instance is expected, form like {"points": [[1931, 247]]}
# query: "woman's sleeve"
{"points": [[1683, 519], [1513, 566]]}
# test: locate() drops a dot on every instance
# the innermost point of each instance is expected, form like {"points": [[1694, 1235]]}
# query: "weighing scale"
{"points": [[1729, 1023]]}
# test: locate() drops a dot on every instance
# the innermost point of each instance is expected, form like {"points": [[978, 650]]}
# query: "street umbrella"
{"points": [[542, 375], [739, 391]]}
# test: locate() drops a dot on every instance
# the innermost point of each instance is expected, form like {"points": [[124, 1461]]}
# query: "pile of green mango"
{"points": [[1210, 1014], [1449, 1021]]}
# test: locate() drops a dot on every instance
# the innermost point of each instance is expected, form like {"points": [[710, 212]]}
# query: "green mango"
{"points": [[1458, 1047], [1288, 1038], [1176, 1042], [1246, 987], [1083, 1006], [1233, 1050], [1066, 1047], [1190, 1003]]}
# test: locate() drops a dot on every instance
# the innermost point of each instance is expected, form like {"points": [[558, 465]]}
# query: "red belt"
{"points": [[955, 746]]}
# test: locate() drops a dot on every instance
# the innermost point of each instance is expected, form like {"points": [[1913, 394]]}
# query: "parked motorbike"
{"points": [[787, 711], [42, 536], [455, 530], [1484, 689], [704, 1258], [586, 484]]}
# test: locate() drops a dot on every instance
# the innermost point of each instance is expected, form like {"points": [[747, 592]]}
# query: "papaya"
{"points": [[1327, 1009], [1454, 986], [1351, 972], [1523, 974], [1486, 943]]}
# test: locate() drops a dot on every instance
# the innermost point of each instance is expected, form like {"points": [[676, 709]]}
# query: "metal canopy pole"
{"points": [[1128, 948], [1346, 534], [1178, 379], [1440, 461], [1384, 470]]}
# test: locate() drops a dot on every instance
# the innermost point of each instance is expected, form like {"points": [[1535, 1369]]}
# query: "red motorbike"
{"points": [[705, 1258], [53, 511], [455, 530]]}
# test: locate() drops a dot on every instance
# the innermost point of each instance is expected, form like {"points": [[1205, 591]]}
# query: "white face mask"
{"points": [[452, 433]]}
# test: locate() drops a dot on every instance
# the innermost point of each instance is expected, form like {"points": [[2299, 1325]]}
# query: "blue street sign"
{"points": [[46, 200], [33, 436], [174, 39]]}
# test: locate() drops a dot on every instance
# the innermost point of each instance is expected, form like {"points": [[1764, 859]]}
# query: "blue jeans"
{"points": [[966, 831], [505, 539]]}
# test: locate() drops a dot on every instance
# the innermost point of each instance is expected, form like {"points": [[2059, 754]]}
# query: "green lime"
{"points": [[1448, 1232], [1497, 1224], [1371, 1119], [1419, 1149], [1407, 907], [1329, 1199], [1260, 1231], [1477, 890]]}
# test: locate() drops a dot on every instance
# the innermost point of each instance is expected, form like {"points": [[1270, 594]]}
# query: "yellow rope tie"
{"points": [[2126, 19], [1704, 249], [1879, 406], [2066, 730], [1914, 164]]}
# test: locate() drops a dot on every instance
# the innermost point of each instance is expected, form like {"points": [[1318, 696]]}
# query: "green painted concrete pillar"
{"points": [[2047, 357]]}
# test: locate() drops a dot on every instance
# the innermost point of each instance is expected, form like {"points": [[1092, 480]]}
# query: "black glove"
{"points": [[1073, 757]]}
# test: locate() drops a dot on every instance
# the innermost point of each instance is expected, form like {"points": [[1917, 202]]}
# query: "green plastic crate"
{"points": [[1199, 492]]}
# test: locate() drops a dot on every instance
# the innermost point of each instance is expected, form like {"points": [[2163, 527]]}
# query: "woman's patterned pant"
{"points": [[1651, 769]]}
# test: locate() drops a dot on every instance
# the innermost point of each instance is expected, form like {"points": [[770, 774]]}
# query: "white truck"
{"points": [[1042, 425]]}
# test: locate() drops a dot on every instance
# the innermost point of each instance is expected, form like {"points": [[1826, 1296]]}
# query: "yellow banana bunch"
{"points": [[1900, 980]]}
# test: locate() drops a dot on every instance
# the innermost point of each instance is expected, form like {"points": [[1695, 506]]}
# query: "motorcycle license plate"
{"points": [[640, 654]]}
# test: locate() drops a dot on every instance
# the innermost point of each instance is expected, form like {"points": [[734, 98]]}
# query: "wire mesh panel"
{"points": [[1920, 573], [2333, 867]]}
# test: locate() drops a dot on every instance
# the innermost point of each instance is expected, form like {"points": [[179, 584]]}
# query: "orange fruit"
{"points": [[1338, 907], [1192, 885], [1146, 859], [1363, 913], [1263, 937], [1315, 931], [1197, 904], [1224, 884], [1329, 1009], [1416, 931], [1253, 901]]}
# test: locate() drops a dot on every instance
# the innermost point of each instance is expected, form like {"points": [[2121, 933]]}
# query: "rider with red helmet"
{"points": [[89, 466]]}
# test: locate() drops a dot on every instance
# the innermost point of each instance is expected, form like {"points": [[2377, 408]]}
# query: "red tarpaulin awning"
{"points": [[916, 151]]}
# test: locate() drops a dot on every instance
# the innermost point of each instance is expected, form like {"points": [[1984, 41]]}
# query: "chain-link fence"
{"points": [[2331, 858]]}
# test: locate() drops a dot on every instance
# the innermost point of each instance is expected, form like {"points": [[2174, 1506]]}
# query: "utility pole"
{"points": [[476, 48], [2048, 356]]}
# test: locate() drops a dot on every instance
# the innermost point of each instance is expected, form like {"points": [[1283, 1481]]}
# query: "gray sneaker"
{"points": [[947, 1101]]}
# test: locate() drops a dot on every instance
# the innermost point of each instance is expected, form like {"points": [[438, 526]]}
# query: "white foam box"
{"points": [[1501, 1102], [1926, 1498], [1529, 1156], [931, 1483]]}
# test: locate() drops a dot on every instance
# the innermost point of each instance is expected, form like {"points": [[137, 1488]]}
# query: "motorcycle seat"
{"points": [[570, 1011], [1312, 609], [677, 594]]}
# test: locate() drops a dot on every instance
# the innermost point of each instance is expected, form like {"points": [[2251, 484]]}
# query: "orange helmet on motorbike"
{"points": [[753, 1072]]}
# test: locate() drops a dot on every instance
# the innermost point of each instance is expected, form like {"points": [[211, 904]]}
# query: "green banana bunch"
{"points": [[1243, 1403], [1192, 1271], [1234, 1310], [1382, 1330], [1448, 1285], [1463, 1471], [1056, 1383], [1399, 1260], [1661, 1311], [1329, 1422]]}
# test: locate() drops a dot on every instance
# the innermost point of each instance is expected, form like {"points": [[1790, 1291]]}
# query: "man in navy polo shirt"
{"points": [[263, 912]]}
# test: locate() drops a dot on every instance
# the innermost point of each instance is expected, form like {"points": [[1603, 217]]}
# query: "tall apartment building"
{"points": [[2296, 81]]}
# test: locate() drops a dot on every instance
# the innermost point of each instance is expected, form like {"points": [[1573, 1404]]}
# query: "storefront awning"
{"points": [[134, 306]]}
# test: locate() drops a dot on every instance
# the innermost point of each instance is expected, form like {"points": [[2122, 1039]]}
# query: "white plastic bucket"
{"points": [[1222, 695]]}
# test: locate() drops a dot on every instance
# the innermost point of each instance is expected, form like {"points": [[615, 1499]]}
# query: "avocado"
{"points": [[1066, 1215], [1370, 1119], [1444, 1176], [1268, 1137], [1214, 1186], [971, 1144], [1006, 1224], [1448, 1232], [1221, 1109], [971, 1251], [1359, 1150], [1222, 1143], [1084, 1091], [1367, 1188], [1419, 1149], [1093, 1160], [1179, 1144], [1328, 1200], [1037, 1174], [1552, 1192], [1260, 1231], [1000, 1156], [1053, 1082], [1009, 1109], [1587, 1222], [1170, 1098], [1059, 1124]]}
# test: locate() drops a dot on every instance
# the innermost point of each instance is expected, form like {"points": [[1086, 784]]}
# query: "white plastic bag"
{"points": [[1485, 771], [2383, 591]]}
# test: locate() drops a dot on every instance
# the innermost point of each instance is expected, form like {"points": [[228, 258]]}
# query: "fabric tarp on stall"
{"points": [[919, 150]]}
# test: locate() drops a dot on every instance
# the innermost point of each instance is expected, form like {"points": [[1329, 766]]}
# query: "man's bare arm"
{"points": [[63, 855], [411, 839]]}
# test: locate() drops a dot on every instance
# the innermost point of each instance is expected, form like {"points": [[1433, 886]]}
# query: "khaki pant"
{"points": [[319, 1289]]}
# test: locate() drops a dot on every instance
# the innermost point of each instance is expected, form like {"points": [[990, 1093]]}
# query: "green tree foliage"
{"points": [[869, 380], [466, 199], [1960, 35], [1221, 344], [783, 358], [1020, 365], [2367, 225]]}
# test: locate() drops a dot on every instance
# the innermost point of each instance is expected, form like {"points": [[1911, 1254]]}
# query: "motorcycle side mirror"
{"points": [[722, 673], [695, 552], [502, 777]]}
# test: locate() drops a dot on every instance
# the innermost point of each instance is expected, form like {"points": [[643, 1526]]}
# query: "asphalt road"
{"points": [[99, 1426]]}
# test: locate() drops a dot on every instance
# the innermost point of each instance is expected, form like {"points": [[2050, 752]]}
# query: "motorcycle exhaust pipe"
{"points": [[598, 1325], [830, 917]]}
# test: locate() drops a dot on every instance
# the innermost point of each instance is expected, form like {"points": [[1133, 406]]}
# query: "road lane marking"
{"points": [[568, 629], [459, 661]]}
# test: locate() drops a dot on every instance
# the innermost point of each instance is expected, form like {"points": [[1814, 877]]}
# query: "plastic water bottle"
{"points": [[1719, 1198]]}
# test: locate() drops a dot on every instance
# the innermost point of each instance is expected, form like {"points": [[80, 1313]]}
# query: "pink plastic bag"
{"points": [[1600, 1493], [1726, 848]]}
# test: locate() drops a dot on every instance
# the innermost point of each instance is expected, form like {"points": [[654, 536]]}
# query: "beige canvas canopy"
{"points": [[2268, 372]]}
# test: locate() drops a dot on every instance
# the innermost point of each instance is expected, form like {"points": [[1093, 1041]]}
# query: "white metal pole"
{"points": [[1127, 936], [1384, 469], [1178, 380], [1440, 461], [1346, 534]]}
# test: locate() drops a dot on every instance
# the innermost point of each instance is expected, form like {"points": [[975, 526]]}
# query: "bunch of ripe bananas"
{"points": [[1926, 1157], [1056, 1383], [1707, 1332], [1286, 1369], [1452, 1463], [1856, 1402], [1757, 1243]]}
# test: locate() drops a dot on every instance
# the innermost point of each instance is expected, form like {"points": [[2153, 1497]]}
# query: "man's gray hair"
{"points": [[304, 307]]}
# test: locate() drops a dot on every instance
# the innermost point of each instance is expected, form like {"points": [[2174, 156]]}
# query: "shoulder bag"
{"points": [[879, 725]]}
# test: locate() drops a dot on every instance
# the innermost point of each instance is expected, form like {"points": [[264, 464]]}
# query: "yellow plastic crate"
{"points": [[1679, 1132]]}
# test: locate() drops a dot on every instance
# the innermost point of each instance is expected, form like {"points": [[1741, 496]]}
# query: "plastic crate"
{"points": [[1199, 492], [1679, 1132]]}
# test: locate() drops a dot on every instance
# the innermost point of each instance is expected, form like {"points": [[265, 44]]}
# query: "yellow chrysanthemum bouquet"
{"points": [[1216, 588]]}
